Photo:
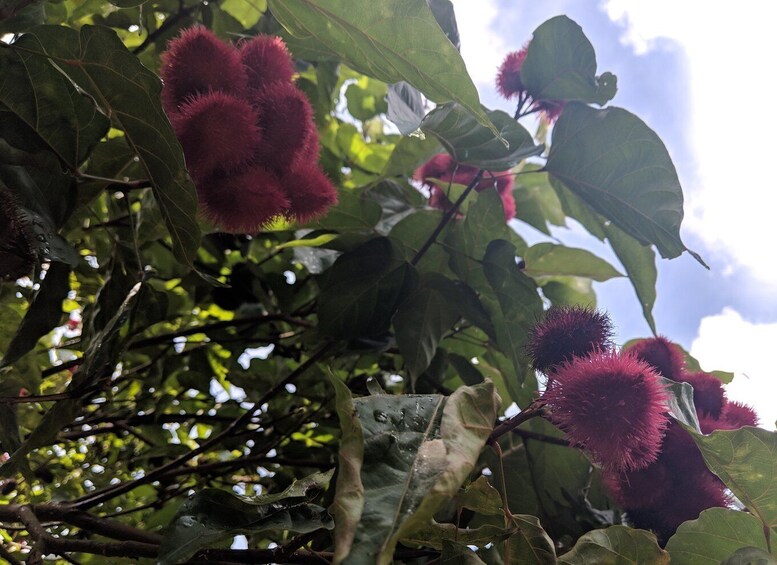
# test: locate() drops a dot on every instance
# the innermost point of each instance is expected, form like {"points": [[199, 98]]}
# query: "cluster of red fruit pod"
{"points": [[442, 170], [613, 404], [247, 131], [510, 85]]}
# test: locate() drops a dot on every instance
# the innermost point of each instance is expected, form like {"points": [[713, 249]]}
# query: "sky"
{"points": [[700, 75]]}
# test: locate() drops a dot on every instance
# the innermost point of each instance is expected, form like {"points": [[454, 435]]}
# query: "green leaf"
{"points": [[446, 17], [549, 259], [621, 169], [458, 554], [362, 291], [481, 497], [536, 203], [213, 515], [400, 41], [616, 545], [519, 308], [354, 212], [716, 533], [569, 291], [405, 107], [530, 544], [435, 534], [750, 556], [681, 403], [470, 143], [418, 449], [96, 59], [44, 314], [422, 320], [366, 98], [560, 64], [639, 261], [349, 494], [408, 154], [38, 103], [744, 459]]}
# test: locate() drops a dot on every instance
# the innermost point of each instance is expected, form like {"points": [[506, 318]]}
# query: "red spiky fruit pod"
{"points": [[614, 406], [309, 192], [244, 201], [286, 123], [568, 332], [508, 78], [266, 60], [198, 62], [738, 415], [662, 354], [217, 132]]}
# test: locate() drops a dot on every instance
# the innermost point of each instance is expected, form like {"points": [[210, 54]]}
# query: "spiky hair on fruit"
{"points": [[508, 78], [266, 60], [243, 202], [309, 191], [565, 333], [217, 131], [662, 354], [675, 488], [286, 123], [198, 62], [17, 248], [613, 406], [738, 415]]}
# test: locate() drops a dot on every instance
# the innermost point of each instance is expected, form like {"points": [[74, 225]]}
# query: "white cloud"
{"points": [[727, 342], [729, 53], [481, 48]]}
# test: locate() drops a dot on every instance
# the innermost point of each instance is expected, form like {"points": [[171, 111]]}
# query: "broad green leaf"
{"points": [[421, 321], [616, 545], [435, 534], [362, 291], [560, 64], [96, 59], [639, 261], [470, 143], [714, 535], [399, 41], [212, 515], [681, 403], [410, 153], [692, 364], [569, 291], [349, 494], [41, 108], [519, 307], [354, 212], [366, 98], [578, 210], [746, 461], [481, 497], [405, 107], [458, 554], [549, 259], [446, 17], [411, 233], [750, 556], [620, 168], [403, 454], [418, 449], [44, 314], [536, 203], [530, 544]]}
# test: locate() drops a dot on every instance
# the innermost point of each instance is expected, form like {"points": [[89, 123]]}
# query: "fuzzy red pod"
{"points": [[738, 415], [614, 406], [508, 78], [286, 123], [662, 354], [197, 62], [568, 332], [309, 192], [245, 201], [217, 132], [708, 394], [266, 60], [675, 488], [551, 109]]}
